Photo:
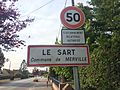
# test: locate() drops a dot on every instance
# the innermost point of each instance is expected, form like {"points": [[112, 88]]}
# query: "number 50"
{"points": [[72, 17]]}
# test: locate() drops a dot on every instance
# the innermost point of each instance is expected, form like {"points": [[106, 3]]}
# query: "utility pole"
{"points": [[73, 3], [75, 70]]}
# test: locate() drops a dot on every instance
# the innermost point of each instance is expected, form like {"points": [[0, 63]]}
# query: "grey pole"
{"points": [[76, 78], [75, 71]]}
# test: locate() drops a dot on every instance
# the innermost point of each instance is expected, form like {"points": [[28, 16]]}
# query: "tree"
{"points": [[23, 66], [65, 73], [103, 37], [2, 60], [23, 69], [10, 24], [51, 72]]}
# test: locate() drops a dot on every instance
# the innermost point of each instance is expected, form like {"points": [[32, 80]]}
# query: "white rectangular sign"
{"points": [[58, 55], [72, 37]]}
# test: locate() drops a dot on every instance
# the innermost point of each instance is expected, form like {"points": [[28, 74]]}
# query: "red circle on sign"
{"points": [[72, 25]]}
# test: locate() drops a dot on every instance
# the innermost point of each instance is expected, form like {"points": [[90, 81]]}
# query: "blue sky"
{"points": [[43, 31]]}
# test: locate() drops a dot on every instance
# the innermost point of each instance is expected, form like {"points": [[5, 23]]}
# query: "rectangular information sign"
{"points": [[58, 55], [72, 36]]}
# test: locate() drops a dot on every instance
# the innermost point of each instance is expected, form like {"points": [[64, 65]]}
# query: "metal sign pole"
{"points": [[75, 71], [76, 78]]}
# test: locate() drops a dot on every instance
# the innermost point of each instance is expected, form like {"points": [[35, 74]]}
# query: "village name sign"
{"points": [[52, 55]]}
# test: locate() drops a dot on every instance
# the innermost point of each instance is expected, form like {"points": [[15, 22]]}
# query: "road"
{"points": [[26, 84]]}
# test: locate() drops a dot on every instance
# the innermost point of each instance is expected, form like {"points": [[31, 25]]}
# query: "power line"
{"points": [[39, 8]]}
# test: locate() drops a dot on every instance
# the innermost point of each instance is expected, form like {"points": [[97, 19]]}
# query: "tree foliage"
{"points": [[23, 69], [63, 72], [10, 24], [2, 59], [23, 66], [103, 38]]}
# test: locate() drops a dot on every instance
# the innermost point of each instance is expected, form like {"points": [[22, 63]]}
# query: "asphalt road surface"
{"points": [[27, 84]]}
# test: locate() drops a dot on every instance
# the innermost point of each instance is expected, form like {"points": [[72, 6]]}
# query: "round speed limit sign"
{"points": [[72, 17]]}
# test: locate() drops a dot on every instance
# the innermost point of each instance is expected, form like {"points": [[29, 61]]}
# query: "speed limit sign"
{"points": [[72, 17]]}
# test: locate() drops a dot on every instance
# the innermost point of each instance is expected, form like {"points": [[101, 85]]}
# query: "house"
{"points": [[6, 72]]}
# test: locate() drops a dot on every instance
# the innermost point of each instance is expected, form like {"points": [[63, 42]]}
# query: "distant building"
{"points": [[7, 72]]}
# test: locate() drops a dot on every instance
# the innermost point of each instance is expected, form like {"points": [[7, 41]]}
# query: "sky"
{"points": [[43, 31]]}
